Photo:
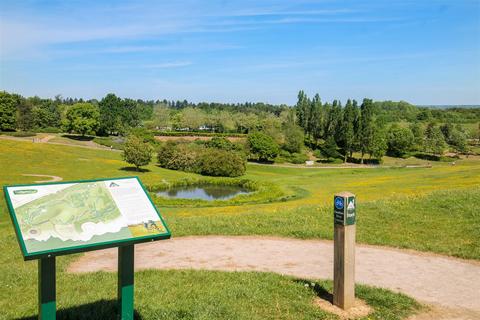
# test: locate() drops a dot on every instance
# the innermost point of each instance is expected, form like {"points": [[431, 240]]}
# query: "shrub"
{"points": [[293, 139], [218, 162], [48, 130], [194, 157], [137, 152], [222, 143], [178, 156], [262, 147], [20, 134], [298, 158]]}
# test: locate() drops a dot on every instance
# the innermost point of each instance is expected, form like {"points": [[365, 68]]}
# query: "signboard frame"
{"points": [[86, 247]]}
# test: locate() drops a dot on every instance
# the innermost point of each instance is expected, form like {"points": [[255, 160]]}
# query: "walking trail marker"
{"points": [[344, 206], [59, 218]]}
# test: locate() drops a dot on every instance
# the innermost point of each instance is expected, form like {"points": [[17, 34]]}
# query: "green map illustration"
{"points": [[79, 214]]}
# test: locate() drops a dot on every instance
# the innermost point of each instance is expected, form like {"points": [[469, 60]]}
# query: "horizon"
{"points": [[424, 53]]}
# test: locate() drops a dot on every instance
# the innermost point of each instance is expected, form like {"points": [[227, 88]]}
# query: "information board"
{"points": [[65, 217]]}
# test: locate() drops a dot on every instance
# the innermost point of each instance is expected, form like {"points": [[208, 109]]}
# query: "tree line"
{"points": [[370, 128], [343, 130]]}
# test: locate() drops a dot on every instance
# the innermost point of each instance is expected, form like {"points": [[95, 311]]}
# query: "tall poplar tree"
{"points": [[367, 127], [347, 131]]}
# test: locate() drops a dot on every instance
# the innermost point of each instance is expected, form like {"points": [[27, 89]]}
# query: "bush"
{"points": [[433, 157], [178, 156], [298, 158], [137, 152], [222, 143], [262, 147], [193, 157], [217, 162], [293, 139], [48, 130], [20, 134]]}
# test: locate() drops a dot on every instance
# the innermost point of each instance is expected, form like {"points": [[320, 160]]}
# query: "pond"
{"points": [[204, 192]]}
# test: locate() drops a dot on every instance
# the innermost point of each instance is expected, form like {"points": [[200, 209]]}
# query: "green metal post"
{"points": [[125, 281], [46, 289]]}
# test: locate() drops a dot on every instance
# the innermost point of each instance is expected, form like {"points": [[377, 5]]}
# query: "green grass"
{"points": [[445, 222], [428, 209], [113, 142], [189, 294]]}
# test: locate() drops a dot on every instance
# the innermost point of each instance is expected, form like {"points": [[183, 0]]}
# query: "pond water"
{"points": [[204, 192]]}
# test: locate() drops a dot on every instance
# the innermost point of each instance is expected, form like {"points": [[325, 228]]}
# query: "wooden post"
{"points": [[344, 250], [46, 289], [125, 281]]}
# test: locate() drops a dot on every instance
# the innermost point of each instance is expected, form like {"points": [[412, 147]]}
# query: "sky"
{"points": [[422, 51]]}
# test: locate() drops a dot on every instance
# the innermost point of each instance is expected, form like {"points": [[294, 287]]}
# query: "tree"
{"points": [[82, 118], [8, 110], [302, 110], [262, 147], [399, 140], [434, 140], [418, 134], [329, 148], [110, 107], [46, 113], [367, 127], [161, 116], [347, 132], [24, 115], [378, 145], [192, 118], [458, 140], [293, 138], [137, 152]]}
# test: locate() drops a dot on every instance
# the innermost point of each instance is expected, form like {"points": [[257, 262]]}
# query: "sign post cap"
{"points": [[344, 194]]}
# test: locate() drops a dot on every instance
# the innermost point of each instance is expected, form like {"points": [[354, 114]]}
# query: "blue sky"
{"points": [[424, 52]]}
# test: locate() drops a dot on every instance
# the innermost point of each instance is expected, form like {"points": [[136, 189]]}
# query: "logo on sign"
{"points": [[339, 203], [351, 205]]}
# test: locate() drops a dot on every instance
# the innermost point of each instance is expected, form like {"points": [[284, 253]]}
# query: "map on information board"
{"points": [[59, 218]]}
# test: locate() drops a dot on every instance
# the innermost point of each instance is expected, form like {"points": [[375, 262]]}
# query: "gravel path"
{"points": [[434, 279]]}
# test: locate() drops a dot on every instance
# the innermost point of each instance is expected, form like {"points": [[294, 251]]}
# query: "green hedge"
{"points": [[48, 130], [19, 134], [200, 134]]}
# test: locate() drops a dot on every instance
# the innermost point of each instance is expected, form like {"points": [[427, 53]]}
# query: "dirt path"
{"points": [[447, 282], [50, 178]]}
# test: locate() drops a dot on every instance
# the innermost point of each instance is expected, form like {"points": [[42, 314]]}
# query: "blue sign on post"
{"points": [[344, 209]]}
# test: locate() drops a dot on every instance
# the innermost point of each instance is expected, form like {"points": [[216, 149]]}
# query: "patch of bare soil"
{"points": [[359, 310], [430, 278]]}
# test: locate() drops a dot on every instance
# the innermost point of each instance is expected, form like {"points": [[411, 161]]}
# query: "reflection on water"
{"points": [[205, 192]]}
